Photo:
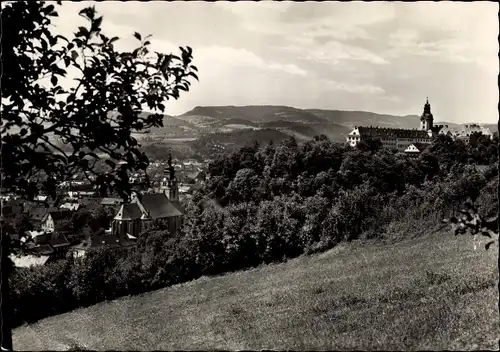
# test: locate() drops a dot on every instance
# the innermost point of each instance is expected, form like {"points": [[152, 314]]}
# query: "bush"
{"points": [[288, 212]]}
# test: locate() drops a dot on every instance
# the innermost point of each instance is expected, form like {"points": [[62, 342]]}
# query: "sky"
{"points": [[384, 57]]}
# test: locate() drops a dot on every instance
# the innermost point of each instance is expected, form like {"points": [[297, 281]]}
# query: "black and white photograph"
{"points": [[249, 175]]}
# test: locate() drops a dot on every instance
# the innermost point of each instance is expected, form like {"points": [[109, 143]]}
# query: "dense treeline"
{"points": [[270, 203]]}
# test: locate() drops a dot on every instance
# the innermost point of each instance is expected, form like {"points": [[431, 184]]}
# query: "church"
{"points": [[130, 218], [404, 140]]}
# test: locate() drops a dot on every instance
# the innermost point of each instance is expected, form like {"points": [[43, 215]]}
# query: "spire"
{"points": [[427, 107], [427, 120], [173, 190], [171, 169]]}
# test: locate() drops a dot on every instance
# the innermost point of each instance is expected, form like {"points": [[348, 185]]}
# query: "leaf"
{"points": [[112, 40], [53, 80], [193, 75], [82, 32], [97, 23], [137, 35], [74, 55], [49, 9]]}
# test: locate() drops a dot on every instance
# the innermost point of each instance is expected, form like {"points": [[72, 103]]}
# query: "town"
{"points": [[78, 220]]}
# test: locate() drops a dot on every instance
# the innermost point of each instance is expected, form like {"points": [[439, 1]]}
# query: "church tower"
{"points": [[427, 120], [172, 188]]}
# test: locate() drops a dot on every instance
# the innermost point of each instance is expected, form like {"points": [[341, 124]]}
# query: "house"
{"points": [[47, 201], [51, 244], [416, 148], [55, 220], [70, 206], [111, 201], [37, 214], [81, 190], [60, 245], [42, 249], [27, 261], [466, 133], [193, 176], [102, 239]]}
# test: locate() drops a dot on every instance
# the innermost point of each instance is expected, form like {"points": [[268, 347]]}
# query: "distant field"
{"points": [[429, 293], [174, 139]]}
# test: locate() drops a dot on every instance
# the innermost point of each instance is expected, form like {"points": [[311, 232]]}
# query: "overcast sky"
{"points": [[383, 57]]}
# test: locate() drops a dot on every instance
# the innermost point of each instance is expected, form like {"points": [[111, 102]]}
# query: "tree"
{"points": [[98, 114], [370, 144]]}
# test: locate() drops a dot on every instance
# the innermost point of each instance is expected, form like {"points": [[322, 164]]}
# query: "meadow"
{"points": [[433, 292]]}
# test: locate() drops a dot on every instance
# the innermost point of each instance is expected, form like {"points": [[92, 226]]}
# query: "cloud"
{"points": [[217, 56], [333, 52], [450, 32], [378, 56]]}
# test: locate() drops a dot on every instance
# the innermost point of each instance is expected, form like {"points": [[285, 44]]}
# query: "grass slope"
{"points": [[434, 293]]}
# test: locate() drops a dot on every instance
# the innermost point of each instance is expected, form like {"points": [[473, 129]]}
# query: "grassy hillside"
{"points": [[434, 292]]}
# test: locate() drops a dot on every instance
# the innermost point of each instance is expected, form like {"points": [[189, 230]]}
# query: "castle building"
{"points": [[413, 140]]}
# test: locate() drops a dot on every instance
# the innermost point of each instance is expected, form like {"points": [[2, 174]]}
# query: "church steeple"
{"points": [[427, 120], [172, 187]]}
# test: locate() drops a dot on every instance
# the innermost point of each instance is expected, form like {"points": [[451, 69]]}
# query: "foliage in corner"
{"points": [[96, 116]]}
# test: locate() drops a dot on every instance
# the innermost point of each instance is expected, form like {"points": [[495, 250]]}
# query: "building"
{"points": [[416, 148], [402, 140], [70, 206], [165, 205], [37, 215], [46, 244], [391, 138], [102, 239], [56, 220], [465, 134], [27, 261]]}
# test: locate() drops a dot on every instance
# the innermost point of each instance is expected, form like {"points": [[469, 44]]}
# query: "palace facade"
{"points": [[407, 139]]}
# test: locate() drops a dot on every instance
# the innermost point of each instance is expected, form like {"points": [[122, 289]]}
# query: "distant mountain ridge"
{"points": [[250, 121]]}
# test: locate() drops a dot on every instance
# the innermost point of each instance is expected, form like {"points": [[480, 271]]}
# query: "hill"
{"points": [[236, 126], [434, 292], [255, 114], [364, 118]]}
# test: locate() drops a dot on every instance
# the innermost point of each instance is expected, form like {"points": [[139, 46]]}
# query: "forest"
{"points": [[269, 203]]}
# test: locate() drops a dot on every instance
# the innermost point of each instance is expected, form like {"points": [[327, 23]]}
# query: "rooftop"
{"points": [[158, 206], [392, 132]]}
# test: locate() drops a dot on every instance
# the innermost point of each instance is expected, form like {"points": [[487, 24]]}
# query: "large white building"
{"points": [[403, 139]]}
